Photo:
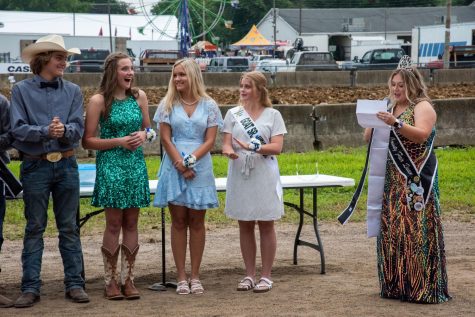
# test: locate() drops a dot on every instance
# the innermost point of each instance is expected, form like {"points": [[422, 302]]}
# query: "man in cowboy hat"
{"points": [[47, 124]]}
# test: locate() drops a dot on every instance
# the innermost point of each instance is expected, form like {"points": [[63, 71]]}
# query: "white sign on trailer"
{"points": [[7, 68]]}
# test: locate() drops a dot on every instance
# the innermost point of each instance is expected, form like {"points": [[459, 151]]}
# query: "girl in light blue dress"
{"points": [[188, 120]]}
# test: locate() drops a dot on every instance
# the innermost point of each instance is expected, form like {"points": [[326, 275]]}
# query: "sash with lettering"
{"points": [[12, 185], [246, 123], [249, 126], [419, 182]]}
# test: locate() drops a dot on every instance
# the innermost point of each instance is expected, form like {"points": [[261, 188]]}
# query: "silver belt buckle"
{"points": [[54, 157]]}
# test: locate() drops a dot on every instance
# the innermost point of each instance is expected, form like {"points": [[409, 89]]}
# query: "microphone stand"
{"points": [[162, 286]]}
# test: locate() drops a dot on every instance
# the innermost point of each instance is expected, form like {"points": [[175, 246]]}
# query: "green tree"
{"points": [[244, 16]]}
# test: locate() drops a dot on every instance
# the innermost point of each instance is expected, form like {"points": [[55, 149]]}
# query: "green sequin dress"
{"points": [[121, 174]]}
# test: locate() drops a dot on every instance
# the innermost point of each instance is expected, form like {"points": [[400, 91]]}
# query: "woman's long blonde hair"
{"points": [[109, 81], [416, 89], [195, 80], [259, 81]]}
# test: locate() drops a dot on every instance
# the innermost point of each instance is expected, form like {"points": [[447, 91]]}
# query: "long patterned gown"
{"points": [[410, 247]]}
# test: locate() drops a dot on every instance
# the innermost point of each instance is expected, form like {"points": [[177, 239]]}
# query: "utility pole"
{"points": [[275, 30], [204, 35], [110, 24], [447, 36], [300, 18]]}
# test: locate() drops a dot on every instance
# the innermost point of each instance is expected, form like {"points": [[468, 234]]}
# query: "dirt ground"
{"points": [[349, 287], [304, 95]]}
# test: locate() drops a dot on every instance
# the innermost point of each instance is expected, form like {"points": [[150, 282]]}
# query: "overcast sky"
{"points": [[147, 3]]}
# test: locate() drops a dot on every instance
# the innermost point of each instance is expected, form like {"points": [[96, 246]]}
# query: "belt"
{"points": [[51, 156]]}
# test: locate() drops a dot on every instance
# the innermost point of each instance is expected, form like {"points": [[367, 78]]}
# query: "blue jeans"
{"points": [[2, 211], [41, 178]]}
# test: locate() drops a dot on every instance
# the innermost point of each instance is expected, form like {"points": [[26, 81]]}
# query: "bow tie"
{"points": [[51, 84]]}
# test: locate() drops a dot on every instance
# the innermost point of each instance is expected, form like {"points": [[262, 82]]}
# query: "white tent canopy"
{"points": [[81, 24]]}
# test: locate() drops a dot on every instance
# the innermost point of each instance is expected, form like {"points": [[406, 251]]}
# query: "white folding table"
{"points": [[300, 182]]}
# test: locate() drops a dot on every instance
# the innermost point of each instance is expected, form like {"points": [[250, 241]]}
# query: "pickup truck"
{"points": [[90, 60], [312, 60], [381, 58], [158, 60]]}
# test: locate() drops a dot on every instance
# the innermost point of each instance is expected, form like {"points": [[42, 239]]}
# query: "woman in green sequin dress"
{"points": [[121, 185], [410, 245]]}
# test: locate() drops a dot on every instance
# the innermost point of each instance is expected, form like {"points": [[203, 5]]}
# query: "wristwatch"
{"points": [[398, 124]]}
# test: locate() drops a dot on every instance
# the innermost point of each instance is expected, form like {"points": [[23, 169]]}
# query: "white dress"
{"points": [[253, 189]]}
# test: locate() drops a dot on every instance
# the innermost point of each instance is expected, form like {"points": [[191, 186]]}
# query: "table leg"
{"points": [[78, 223], [317, 234], [314, 215], [299, 229]]}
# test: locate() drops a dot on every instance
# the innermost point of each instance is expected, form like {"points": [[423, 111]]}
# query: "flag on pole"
{"points": [[132, 11], [100, 31]]}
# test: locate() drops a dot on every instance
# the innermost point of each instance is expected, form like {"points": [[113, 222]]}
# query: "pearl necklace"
{"points": [[188, 103]]}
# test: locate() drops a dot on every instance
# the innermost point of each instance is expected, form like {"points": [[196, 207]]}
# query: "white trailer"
{"points": [[429, 41]]}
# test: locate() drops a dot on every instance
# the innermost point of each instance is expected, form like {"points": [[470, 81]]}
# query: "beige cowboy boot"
{"points": [[111, 276], [127, 272]]}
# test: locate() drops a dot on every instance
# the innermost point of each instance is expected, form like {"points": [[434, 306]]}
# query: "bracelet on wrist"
{"points": [[189, 161], [255, 145], [398, 124], [150, 134]]}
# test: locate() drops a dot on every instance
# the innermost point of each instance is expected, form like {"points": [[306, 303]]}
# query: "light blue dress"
{"points": [[188, 133]]}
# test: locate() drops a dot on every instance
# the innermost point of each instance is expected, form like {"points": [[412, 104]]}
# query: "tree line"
{"points": [[243, 14]]}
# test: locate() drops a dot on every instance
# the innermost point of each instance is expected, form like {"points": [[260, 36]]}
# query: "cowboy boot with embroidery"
{"points": [[111, 276], [127, 272]]}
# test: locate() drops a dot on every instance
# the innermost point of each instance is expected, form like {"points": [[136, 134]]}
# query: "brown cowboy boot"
{"points": [[5, 302], [127, 273], [111, 276]]}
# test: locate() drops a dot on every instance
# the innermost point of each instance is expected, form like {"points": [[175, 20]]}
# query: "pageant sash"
{"points": [[346, 214], [12, 185], [250, 129], [376, 179], [376, 155], [419, 182], [246, 123]]}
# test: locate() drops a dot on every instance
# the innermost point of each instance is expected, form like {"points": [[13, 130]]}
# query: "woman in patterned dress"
{"points": [[121, 185], [410, 246], [188, 121]]}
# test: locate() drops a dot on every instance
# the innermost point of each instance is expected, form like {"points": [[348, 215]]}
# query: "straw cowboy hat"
{"points": [[49, 43]]}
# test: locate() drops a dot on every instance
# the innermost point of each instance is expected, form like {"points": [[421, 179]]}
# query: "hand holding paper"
{"points": [[366, 111]]}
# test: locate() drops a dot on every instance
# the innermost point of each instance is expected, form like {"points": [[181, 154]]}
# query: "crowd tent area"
{"points": [[253, 40], [138, 32]]}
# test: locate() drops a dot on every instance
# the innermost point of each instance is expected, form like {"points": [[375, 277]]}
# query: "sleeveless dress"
{"points": [[253, 188], [121, 174], [410, 246], [188, 133]]}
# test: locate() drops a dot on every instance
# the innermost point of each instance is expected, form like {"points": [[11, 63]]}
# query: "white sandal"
{"points": [[263, 286], [183, 288], [196, 287], [246, 284]]}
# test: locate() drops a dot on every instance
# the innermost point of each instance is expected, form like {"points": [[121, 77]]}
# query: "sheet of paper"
{"points": [[366, 111]]}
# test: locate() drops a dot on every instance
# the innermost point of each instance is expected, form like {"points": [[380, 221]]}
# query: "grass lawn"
{"points": [[456, 175]]}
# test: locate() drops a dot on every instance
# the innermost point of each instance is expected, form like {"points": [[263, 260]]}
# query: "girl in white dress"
{"points": [[253, 135]]}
